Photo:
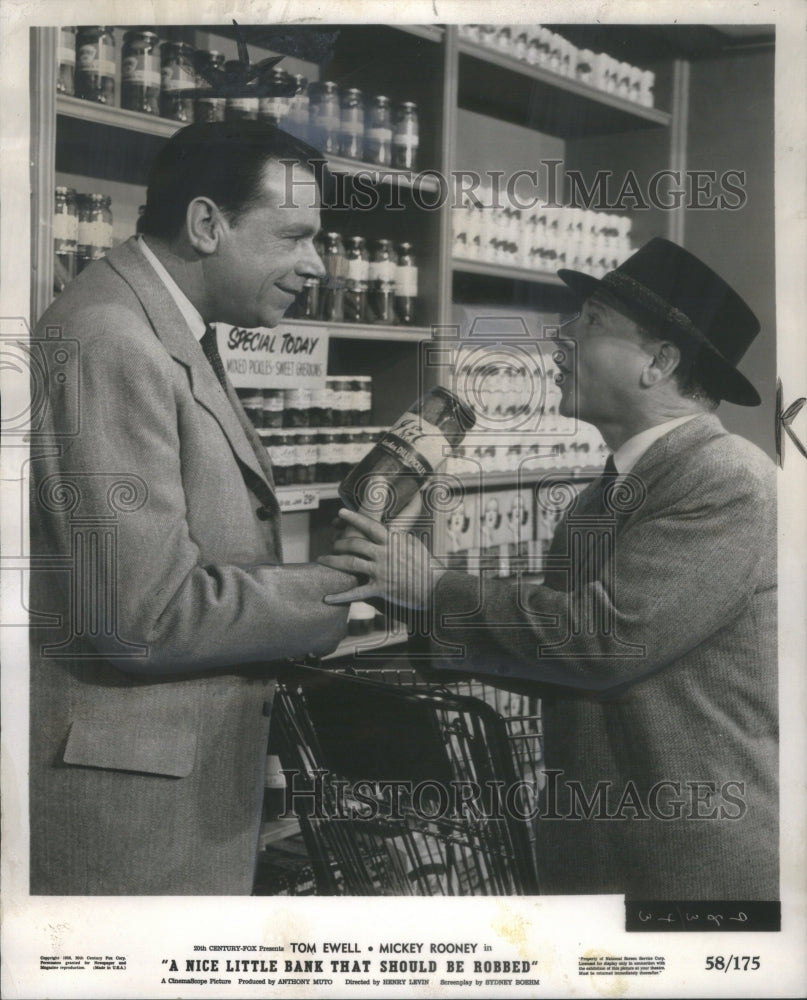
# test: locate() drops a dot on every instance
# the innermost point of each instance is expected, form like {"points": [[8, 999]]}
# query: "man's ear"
{"points": [[203, 222], [661, 364]]}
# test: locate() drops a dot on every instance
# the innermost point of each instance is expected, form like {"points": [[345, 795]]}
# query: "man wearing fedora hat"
{"points": [[652, 638]]}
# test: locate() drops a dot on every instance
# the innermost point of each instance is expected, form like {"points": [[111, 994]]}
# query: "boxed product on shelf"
{"points": [[538, 45], [543, 238]]}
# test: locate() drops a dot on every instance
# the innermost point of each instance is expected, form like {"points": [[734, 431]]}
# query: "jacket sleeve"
{"points": [[186, 613], [683, 569]]}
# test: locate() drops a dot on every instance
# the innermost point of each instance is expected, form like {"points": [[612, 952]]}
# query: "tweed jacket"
{"points": [[159, 606], [657, 668]]}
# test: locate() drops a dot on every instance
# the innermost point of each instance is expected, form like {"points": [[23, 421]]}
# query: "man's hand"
{"points": [[397, 565]]}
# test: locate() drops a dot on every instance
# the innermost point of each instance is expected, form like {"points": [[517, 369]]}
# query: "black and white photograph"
{"points": [[404, 452]]}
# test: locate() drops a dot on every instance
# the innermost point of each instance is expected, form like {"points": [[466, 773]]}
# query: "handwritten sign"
{"points": [[298, 499], [288, 356]]}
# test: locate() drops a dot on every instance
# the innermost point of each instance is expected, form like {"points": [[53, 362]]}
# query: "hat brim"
{"points": [[722, 376]]}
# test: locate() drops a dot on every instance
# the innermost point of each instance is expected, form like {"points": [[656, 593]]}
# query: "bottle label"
{"points": [[140, 69], [357, 269], [405, 139], [419, 445], [178, 76], [65, 227], [406, 281], [383, 271], [278, 107], [66, 56]]}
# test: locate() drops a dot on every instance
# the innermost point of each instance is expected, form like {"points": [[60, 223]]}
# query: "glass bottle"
{"points": [[378, 132], [95, 64], [66, 61], [387, 478], [405, 137], [332, 291], [94, 229], [140, 71], [381, 290], [297, 120], [324, 116], [208, 106], [65, 236], [351, 124], [356, 280], [273, 106], [178, 81], [308, 299], [406, 284]]}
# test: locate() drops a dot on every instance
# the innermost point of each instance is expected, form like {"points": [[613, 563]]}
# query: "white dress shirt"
{"points": [[184, 304], [626, 456]]}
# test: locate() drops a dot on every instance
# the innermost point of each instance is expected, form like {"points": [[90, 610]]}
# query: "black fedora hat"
{"points": [[670, 285]]}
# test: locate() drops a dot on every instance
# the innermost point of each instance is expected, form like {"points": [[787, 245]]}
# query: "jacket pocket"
{"points": [[149, 747]]}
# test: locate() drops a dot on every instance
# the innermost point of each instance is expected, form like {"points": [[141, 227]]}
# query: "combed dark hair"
{"points": [[223, 161]]}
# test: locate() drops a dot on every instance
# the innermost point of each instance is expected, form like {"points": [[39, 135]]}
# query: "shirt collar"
{"points": [[632, 450], [184, 304]]}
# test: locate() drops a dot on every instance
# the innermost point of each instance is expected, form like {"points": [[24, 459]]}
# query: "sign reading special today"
{"points": [[288, 356]]}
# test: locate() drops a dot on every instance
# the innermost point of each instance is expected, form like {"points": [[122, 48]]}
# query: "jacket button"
{"points": [[264, 514]]}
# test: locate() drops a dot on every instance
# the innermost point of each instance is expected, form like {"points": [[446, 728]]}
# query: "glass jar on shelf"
{"points": [[252, 402], [272, 410], [140, 71], [94, 229], [324, 116], [351, 124], [405, 136], [406, 284], [240, 106], [332, 291], [66, 61], [178, 81], [378, 132], [356, 280], [297, 120], [65, 236], [382, 289], [273, 105], [95, 64], [208, 106]]}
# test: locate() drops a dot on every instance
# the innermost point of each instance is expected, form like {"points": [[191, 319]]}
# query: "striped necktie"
{"points": [[211, 349]]}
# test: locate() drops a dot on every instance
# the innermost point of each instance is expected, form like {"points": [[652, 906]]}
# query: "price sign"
{"points": [[284, 357]]}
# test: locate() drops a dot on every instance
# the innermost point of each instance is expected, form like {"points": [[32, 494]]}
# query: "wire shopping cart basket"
{"points": [[405, 789]]}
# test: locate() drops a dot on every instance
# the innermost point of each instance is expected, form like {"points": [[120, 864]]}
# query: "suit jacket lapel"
{"points": [[172, 330]]}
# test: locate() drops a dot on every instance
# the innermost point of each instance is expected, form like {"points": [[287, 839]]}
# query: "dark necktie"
{"points": [[211, 349], [609, 474]]}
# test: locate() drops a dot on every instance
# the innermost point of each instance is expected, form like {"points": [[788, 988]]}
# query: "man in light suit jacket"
{"points": [[160, 606], [653, 636]]}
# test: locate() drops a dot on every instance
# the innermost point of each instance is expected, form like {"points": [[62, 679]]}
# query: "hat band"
{"points": [[629, 287]]}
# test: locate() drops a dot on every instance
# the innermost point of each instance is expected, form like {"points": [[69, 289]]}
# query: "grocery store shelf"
{"points": [[495, 480], [431, 32], [87, 116], [384, 175], [492, 270], [102, 114], [366, 331], [497, 84]]}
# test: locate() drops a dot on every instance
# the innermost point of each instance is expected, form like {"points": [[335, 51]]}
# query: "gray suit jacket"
{"points": [[659, 680], [159, 606]]}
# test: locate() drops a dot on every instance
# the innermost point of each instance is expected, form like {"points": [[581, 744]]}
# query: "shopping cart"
{"points": [[402, 788]]}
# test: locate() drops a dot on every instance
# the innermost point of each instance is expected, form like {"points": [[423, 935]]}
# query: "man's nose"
{"points": [[310, 263]]}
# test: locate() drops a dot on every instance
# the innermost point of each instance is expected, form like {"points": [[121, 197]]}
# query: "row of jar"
{"points": [[543, 238], [344, 401], [82, 231], [537, 45], [176, 81], [378, 284], [494, 454], [301, 456]]}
